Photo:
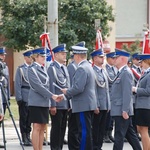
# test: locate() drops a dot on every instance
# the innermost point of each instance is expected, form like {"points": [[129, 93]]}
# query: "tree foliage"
{"points": [[133, 48], [77, 20], [22, 21]]}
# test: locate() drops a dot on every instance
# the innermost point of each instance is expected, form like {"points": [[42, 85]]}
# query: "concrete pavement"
{"points": [[14, 144]]}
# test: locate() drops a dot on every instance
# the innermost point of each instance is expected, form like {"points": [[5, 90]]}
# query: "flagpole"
{"points": [[45, 40]]}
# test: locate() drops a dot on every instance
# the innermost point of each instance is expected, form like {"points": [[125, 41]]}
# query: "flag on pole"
{"points": [[146, 47], [99, 41], [47, 45]]}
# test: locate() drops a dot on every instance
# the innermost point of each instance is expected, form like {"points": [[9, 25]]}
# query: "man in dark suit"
{"points": [[59, 76], [83, 100], [122, 103]]}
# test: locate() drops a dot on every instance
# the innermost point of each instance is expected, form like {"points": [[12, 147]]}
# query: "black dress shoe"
{"points": [[46, 142], [125, 140], [65, 141], [27, 143], [2, 146]]}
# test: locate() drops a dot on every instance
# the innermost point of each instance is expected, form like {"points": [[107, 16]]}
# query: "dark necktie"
{"points": [[139, 70], [118, 73], [103, 74], [62, 68], [42, 68], [113, 70]]}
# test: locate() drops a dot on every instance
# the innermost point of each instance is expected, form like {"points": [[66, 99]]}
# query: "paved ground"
{"points": [[13, 142]]}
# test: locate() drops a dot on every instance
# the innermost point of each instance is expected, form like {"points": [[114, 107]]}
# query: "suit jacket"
{"points": [[138, 72], [102, 93], [21, 83], [83, 89], [61, 78], [72, 67], [39, 94], [111, 75], [121, 94], [143, 92]]}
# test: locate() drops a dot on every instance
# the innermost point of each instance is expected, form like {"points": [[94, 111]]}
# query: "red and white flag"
{"points": [[99, 41], [146, 47], [47, 45]]}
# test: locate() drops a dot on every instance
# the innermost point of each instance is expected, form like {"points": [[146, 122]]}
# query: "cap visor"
{"points": [[44, 55]]}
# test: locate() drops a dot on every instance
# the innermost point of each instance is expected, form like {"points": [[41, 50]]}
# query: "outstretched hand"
{"points": [[64, 90], [58, 98]]}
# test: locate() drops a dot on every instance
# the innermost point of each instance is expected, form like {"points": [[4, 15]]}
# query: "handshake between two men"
{"points": [[58, 98]]}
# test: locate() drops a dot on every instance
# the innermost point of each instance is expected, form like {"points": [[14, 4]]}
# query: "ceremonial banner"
{"points": [[47, 45], [146, 47], [99, 41]]}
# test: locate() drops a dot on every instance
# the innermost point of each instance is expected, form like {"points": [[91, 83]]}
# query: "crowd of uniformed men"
{"points": [[91, 97]]}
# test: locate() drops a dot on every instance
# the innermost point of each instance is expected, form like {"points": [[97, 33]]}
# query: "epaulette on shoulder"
{"points": [[126, 68], [31, 65], [20, 66], [52, 64]]}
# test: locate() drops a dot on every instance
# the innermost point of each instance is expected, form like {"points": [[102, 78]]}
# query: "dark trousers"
{"points": [[58, 129], [124, 129], [73, 133], [99, 123], [133, 121], [4, 109], [25, 125], [109, 122], [83, 131]]}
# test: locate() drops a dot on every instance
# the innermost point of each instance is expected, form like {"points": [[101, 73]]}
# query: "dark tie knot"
{"points": [[42, 67], [118, 73]]}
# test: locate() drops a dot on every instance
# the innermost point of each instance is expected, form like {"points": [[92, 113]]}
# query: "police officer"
{"points": [[21, 91], [122, 103], [4, 79], [83, 100], [59, 76], [72, 67], [39, 97], [1, 110], [142, 102], [136, 63], [103, 99], [136, 70], [111, 72]]}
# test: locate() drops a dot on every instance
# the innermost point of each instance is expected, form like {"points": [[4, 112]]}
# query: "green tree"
{"points": [[133, 48], [77, 20], [22, 21]]}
